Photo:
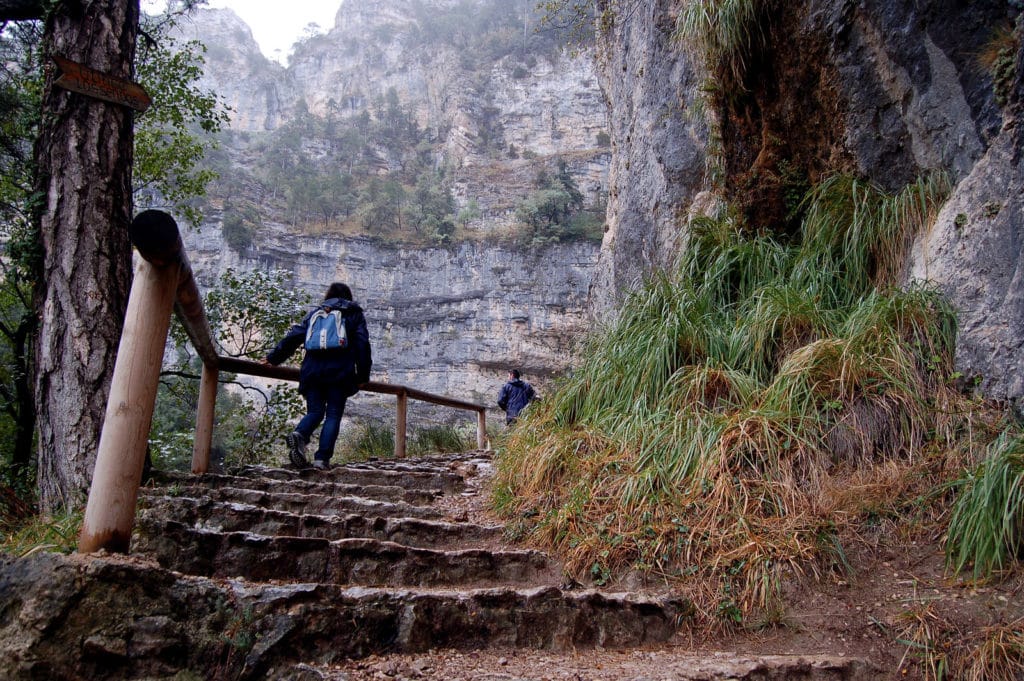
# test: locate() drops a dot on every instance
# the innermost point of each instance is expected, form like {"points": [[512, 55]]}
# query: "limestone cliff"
{"points": [[448, 319], [885, 90]]}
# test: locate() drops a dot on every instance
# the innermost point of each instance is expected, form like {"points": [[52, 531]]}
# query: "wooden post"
{"points": [[110, 511], [204, 420], [402, 407], [481, 429]]}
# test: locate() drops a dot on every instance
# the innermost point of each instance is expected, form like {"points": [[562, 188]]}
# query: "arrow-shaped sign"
{"points": [[84, 80]]}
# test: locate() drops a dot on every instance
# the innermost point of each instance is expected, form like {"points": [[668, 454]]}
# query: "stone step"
{"points": [[108, 617], [343, 561], [314, 504], [439, 480], [319, 486], [206, 514], [466, 465], [674, 663]]}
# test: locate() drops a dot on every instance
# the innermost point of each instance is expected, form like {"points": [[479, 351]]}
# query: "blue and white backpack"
{"points": [[326, 330]]}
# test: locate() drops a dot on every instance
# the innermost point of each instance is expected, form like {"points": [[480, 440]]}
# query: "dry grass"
{"points": [[752, 415]]}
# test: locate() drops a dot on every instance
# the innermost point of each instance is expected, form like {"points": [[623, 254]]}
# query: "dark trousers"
{"points": [[323, 403]]}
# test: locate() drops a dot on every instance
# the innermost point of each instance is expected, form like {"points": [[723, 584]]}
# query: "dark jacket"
{"points": [[350, 366], [514, 397]]}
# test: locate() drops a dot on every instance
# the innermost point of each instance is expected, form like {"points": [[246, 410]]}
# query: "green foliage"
{"points": [[372, 440], [743, 411], [172, 432], [373, 173], [258, 431], [576, 20], [237, 233], [376, 440], [20, 88], [248, 312], [999, 58], [985, 530], [438, 440], [550, 212], [469, 213], [727, 34], [172, 137], [58, 533]]}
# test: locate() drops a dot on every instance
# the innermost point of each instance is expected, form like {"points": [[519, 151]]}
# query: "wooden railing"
{"points": [[164, 283]]}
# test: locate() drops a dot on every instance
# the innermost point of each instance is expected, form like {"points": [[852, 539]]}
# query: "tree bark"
{"points": [[84, 156]]}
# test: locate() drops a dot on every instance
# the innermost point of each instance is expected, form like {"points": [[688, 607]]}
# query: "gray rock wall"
{"points": [[659, 142], [446, 320], [887, 90]]}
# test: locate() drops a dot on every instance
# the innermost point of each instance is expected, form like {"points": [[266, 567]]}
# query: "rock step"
{"points": [[206, 514], [440, 480], [343, 561], [673, 663], [114, 618], [313, 504], [392, 493]]}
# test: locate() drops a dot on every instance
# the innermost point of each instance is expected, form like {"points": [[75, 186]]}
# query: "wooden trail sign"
{"points": [[90, 82]]}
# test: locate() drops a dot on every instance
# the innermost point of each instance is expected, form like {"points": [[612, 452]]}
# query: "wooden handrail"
{"points": [[288, 373], [164, 282]]}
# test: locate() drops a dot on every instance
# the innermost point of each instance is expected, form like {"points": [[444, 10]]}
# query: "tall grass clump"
{"points": [[370, 440], [438, 440], [743, 414], [726, 33], [988, 518]]}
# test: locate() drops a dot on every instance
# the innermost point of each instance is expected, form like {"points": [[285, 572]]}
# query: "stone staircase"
{"points": [[282, 574]]}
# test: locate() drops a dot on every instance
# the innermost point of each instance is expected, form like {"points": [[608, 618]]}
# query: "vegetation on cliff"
{"points": [[380, 174], [754, 412]]}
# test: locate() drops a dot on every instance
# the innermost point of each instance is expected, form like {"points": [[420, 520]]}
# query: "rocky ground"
{"points": [[397, 570], [871, 624]]}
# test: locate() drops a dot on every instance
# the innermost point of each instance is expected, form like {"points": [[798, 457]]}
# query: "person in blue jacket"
{"points": [[514, 396], [327, 377]]}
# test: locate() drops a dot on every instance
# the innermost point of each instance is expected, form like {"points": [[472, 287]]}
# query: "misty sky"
{"points": [[276, 25]]}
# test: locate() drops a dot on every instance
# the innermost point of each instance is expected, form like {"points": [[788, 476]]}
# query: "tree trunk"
{"points": [[84, 156], [25, 422]]}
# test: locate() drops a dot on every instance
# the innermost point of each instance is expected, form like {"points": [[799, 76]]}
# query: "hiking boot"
{"points": [[321, 465], [297, 449]]}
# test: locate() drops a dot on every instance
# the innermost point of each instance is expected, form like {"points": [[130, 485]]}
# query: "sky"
{"points": [[275, 25]]}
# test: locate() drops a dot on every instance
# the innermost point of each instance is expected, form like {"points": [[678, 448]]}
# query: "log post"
{"points": [[204, 420], [110, 511], [401, 407], [481, 429]]}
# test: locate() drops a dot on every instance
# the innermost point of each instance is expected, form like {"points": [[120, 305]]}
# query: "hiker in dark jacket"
{"points": [[327, 377], [514, 396]]}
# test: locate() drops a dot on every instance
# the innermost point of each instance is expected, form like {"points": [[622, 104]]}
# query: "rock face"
{"points": [[447, 320], [660, 149], [886, 90]]}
